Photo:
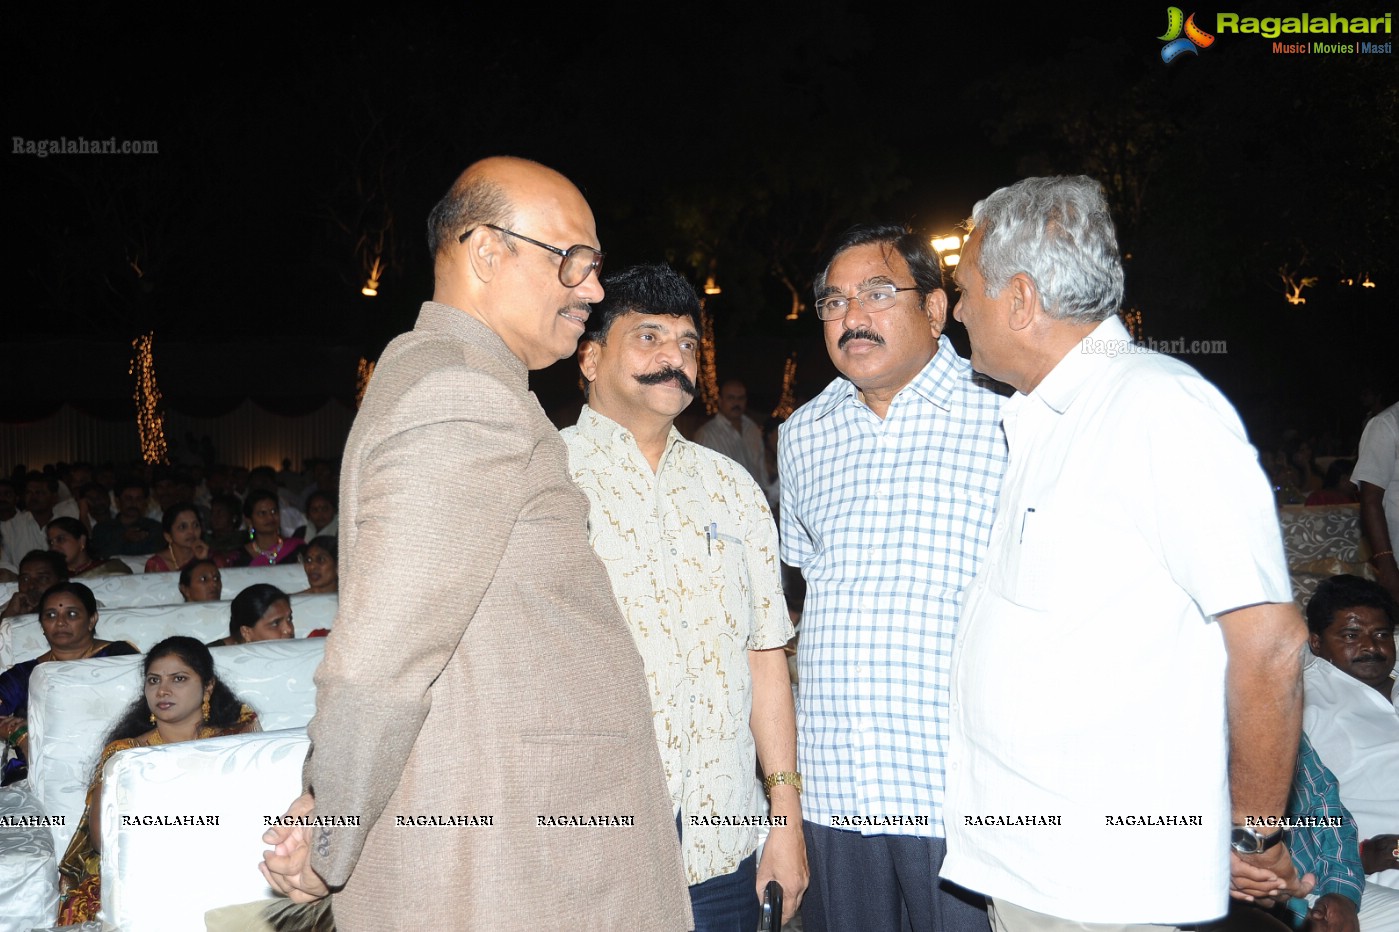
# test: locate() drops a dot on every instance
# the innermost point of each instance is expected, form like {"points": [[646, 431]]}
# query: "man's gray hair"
{"points": [[1059, 232]]}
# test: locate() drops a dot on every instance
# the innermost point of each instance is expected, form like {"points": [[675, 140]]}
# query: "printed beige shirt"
{"points": [[692, 554]]}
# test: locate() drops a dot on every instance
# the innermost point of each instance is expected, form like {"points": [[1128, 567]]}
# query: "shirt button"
{"points": [[684, 624], [672, 551]]}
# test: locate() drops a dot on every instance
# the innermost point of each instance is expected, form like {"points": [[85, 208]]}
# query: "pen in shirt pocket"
{"points": [[1025, 518], [710, 533]]}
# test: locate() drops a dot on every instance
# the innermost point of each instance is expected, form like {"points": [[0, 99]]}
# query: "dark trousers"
{"points": [[729, 902], [883, 883]]}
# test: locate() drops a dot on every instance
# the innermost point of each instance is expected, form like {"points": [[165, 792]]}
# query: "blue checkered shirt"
{"points": [[888, 520], [1330, 852]]}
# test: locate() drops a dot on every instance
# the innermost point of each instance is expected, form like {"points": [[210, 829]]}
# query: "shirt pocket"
{"points": [[1036, 558]]}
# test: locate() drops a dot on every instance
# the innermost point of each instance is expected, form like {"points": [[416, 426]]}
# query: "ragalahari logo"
{"points": [[1177, 44]]}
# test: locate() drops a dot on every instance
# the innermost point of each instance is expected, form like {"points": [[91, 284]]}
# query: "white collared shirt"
{"points": [[1356, 732], [1088, 674], [1378, 464], [744, 447], [21, 534]]}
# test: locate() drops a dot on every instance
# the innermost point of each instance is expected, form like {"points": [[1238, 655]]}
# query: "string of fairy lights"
{"points": [[150, 420], [787, 401], [709, 373], [362, 377]]}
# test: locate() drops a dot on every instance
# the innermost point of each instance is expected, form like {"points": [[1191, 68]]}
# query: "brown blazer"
{"points": [[479, 667]]}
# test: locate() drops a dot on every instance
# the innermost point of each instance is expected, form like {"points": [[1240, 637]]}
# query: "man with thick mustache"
{"points": [[498, 680], [691, 549], [1351, 710], [889, 484]]}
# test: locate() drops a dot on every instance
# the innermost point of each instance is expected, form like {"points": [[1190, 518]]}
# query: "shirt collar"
{"points": [[1063, 383], [937, 382], [607, 434], [443, 318]]}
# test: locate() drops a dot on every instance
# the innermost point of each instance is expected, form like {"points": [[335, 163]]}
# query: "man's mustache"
{"points": [[1371, 658], [666, 375], [859, 333]]}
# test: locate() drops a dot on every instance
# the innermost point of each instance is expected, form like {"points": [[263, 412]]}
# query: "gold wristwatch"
{"points": [[788, 777]]}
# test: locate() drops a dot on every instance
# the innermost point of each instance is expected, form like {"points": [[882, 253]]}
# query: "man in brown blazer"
{"points": [[481, 711]]}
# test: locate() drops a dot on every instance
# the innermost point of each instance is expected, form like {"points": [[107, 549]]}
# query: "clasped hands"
{"points": [[287, 866], [1266, 878]]}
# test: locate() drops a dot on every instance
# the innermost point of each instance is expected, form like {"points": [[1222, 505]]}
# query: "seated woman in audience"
{"points": [[184, 539], [68, 614], [259, 613], [321, 517], [225, 524], [68, 537], [200, 581], [184, 701], [321, 558], [1336, 488], [1300, 467], [38, 569], [265, 546]]}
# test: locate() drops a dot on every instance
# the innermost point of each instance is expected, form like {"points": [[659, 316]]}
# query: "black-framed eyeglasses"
{"points": [[579, 261], [873, 298]]}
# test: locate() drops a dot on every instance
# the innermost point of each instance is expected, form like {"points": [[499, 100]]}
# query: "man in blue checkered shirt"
{"points": [[889, 483], [1324, 845]]}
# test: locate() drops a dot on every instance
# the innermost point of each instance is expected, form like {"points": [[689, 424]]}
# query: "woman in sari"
{"points": [[182, 701], [265, 546], [68, 614], [69, 537], [184, 539]]}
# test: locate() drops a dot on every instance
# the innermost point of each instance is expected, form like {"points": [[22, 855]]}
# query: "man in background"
{"points": [[1376, 475], [733, 433]]}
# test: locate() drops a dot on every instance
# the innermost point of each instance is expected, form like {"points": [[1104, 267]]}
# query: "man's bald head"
{"points": [[476, 197], [491, 191]]}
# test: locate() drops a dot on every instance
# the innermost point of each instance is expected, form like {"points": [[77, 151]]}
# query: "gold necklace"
{"points": [[49, 655]]}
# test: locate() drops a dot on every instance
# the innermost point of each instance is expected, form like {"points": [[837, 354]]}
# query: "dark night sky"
{"points": [[289, 137]]}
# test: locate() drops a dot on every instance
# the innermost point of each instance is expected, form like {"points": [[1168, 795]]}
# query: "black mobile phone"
{"points": [[771, 917]]}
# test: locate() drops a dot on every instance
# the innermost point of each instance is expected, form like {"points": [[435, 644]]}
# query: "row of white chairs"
{"points": [[22, 637], [164, 588]]}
